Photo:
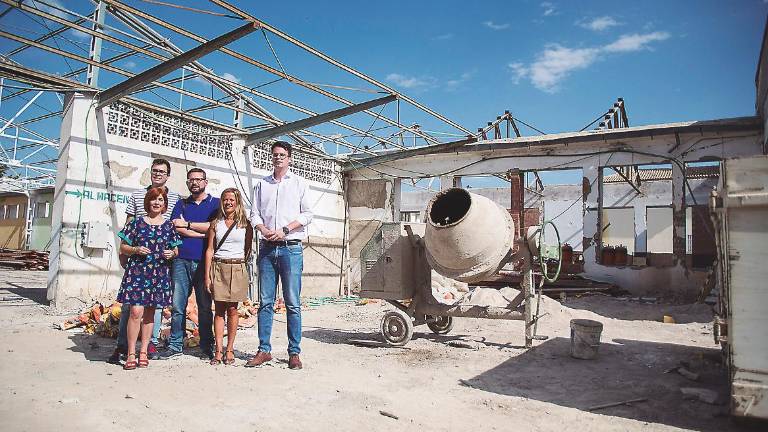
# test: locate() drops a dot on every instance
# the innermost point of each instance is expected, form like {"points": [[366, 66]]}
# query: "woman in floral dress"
{"points": [[151, 243]]}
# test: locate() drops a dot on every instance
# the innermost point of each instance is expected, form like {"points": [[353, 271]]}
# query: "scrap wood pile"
{"points": [[104, 320], [23, 259]]}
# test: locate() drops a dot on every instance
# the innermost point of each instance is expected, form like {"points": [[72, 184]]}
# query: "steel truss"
{"points": [[31, 95]]}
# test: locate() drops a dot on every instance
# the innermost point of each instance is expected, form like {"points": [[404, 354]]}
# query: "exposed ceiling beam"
{"points": [[114, 93], [389, 157], [247, 59], [337, 63], [316, 120]]}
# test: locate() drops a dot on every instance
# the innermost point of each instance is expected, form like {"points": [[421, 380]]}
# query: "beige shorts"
{"points": [[230, 281]]}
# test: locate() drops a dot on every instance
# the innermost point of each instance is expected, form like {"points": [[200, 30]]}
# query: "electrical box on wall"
{"points": [[95, 235]]}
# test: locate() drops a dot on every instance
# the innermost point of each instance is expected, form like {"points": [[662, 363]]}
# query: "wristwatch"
{"points": [[286, 230], [189, 226]]}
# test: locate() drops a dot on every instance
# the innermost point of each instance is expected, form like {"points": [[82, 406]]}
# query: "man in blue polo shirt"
{"points": [[191, 217]]}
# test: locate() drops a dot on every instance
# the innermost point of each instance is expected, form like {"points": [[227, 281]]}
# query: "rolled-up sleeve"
{"points": [[256, 218], [305, 207]]}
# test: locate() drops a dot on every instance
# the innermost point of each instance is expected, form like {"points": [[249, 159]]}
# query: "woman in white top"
{"points": [[229, 245]]}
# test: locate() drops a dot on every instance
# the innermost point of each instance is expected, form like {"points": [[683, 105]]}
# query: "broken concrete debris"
{"points": [[702, 394]]}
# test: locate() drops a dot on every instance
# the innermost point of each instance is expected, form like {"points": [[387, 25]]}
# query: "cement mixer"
{"points": [[467, 238]]}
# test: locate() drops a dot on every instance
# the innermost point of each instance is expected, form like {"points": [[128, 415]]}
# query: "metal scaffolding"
{"points": [[99, 45]]}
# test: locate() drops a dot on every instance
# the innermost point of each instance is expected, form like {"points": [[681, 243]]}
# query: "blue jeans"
{"points": [[286, 264], [122, 329], [188, 275]]}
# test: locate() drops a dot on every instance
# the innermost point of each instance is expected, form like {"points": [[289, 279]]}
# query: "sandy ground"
{"points": [[59, 380]]}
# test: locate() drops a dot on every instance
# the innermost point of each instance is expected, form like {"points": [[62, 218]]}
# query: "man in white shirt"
{"points": [[280, 213]]}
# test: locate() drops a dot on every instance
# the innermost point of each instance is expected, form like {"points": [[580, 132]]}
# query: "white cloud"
{"points": [[228, 76], [549, 8], [55, 9], [493, 26], [519, 71], [556, 62], [600, 23], [130, 64], [446, 36], [635, 42], [411, 82], [200, 80], [52, 10], [452, 84]]}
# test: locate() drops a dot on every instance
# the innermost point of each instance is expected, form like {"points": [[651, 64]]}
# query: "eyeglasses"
{"points": [[279, 155], [196, 180], [161, 172]]}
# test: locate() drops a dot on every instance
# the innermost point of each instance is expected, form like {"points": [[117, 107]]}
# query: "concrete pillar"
{"points": [[447, 182], [397, 194], [641, 228], [591, 187], [83, 193], [678, 212]]}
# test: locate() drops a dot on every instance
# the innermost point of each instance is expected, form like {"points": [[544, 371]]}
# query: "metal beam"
{"points": [[114, 93], [376, 160], [95, 51], [336, 63], [626, 179], [116, 5], [316, 120]]}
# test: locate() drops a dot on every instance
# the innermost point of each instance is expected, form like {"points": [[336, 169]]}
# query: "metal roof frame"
{"points": [[135, 32]]}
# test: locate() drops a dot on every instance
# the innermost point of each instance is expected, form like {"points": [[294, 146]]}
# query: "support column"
{"points": [[641, 226], [678, 213], [95, 52], [397, 199], [591, 189], [447, 182]]}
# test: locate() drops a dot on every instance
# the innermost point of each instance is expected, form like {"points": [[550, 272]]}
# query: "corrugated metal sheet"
{"points": [[666, 174]]}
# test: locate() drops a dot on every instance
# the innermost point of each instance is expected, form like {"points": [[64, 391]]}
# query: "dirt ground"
{"points": [[54, 379]]}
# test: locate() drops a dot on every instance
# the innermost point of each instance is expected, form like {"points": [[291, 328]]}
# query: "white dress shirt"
{"points": [[278, 203]]}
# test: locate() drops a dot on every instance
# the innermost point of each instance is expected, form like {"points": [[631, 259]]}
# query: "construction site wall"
{"points": [[106, 155]]}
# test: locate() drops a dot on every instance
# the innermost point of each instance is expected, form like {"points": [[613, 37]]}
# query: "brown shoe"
{"points": [[294, 362], [259, 359]]}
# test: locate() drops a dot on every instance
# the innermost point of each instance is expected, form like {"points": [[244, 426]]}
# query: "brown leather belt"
{"points": [[281, 243], [229, 260]]}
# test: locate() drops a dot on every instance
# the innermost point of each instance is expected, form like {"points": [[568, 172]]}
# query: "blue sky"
{"points": [[555, 64]]}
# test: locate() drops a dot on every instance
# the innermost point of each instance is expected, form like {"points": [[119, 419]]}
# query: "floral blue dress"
{"points": [[147, 279]]}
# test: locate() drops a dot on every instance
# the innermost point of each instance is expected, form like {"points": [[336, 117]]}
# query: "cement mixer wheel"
{"points": [[441, 324], [397, 328]]}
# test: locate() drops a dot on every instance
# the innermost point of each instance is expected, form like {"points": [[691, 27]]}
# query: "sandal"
{"points": [[216, 360], [143, 363], [228, 360], [130, 364]]}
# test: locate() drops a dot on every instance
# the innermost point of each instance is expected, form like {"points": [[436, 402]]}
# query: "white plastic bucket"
{"points": [[585, 338]]}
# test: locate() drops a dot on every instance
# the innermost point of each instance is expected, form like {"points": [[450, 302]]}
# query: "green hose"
{"points": [[544, 253]]}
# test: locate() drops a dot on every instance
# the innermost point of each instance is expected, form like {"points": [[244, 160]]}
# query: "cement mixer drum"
{"points": [[468, 237]]}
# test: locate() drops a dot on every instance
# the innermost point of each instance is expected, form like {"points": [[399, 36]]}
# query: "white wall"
{"points": [[110, 167]]}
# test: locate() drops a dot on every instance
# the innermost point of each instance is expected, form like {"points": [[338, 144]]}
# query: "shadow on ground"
{"points": [[376, 340], [633, 311], [98, 349], [624, 370], [37, 295]]}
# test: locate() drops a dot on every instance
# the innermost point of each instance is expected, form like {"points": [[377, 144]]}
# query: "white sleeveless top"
{"points": [[234, 245]]}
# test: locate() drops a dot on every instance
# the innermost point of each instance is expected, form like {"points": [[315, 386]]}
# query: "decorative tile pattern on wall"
{"points": [[311, 168], [161, 129]]}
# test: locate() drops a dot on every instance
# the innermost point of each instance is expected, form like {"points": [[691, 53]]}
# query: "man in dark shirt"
{"points": [[191, 217]]}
